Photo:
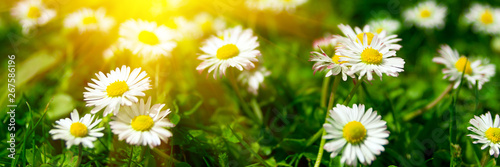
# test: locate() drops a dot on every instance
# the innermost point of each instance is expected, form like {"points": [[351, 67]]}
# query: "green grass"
{"points": [[218, 123]]}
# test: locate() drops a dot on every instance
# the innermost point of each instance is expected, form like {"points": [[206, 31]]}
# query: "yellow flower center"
{"points": [[461, 64], [227, 51], [142, 123], [379, 30], [117, 88], [493, 134], [425, 13], [336, 59], [34, 12], [371, 56], [487, 17], [89, 20], [368, 34], [171, 24], [206, 26], [78, 129], [148, 37], [354, 132]]}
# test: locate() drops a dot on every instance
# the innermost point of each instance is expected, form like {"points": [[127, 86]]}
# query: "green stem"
{"points": [[246, 109], [323, 132], [356, 86], [79, 155], [324, 91], [130, 158], [256, 109], [245, 144], [162, 154], [430, 105], [453, 124]]}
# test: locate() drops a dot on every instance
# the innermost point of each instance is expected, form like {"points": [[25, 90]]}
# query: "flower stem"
{"points": [[430, 105], [162, 154], [244, 105], [323, 132], [130, 158], [324, 91], [79, 155]]}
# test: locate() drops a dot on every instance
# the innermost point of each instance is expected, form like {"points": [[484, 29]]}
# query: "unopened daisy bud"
{"points": [[76, 130]]}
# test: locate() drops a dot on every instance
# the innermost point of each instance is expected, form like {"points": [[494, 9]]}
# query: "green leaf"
{"points": [[296, 145], [65, 104], [228, 135]]}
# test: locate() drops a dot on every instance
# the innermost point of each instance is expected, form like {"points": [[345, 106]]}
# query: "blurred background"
{"points": [[54, 64]]}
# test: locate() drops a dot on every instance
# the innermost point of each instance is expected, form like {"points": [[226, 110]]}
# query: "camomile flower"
{"points": [[32, 13], [285, 5], [254, 78], [484, 18], [76, 130], [184, 29], [209, 23], [234, 47], [325, 42], [486, 132], [142, 124], [388, 25], [357, 34], [357, 134], [146, 39], [475, 70], [367, 53], [333, 65], [274, 5], [426, 14], [89, 20], [119, 87]]}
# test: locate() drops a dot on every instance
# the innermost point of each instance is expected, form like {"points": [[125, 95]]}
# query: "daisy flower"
{"points": [[274, 5], [486, 132], [333, 65], [388, 25], [32, 13], [325, 42], [234, 47], [484, 18], [357, 34], [359, 135], [119, 87], [209, 23], [368, 53], [184, 28], [285, 5], [475, 70], [146, 39], [76, 130], [142, 124], [426, 14], [89, 20], [254, 78]]}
